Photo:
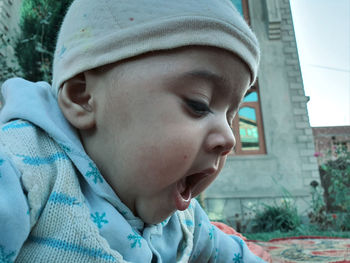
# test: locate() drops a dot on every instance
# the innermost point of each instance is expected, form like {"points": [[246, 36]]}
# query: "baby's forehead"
{"points": [[204, 70], [183, 59]]}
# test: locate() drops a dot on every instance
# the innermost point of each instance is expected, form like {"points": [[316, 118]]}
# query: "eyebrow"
{"points": [[209, 76], [219, 83]]}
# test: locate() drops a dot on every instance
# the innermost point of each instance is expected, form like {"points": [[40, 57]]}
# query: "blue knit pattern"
{"points": [[37, 161], [16, 125], [61, 198], [63, 245], [57, 207]]}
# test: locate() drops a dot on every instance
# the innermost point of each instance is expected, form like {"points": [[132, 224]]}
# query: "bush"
{"points": [[335, 179], [334, 211], [318, 215], [282, 217], [40, 22]]}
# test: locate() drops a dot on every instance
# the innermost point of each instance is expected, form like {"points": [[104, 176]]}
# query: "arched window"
{"points": [[248, 126]]}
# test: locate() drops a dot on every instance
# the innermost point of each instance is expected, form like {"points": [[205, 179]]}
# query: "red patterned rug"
{"points": [[308, 249]]}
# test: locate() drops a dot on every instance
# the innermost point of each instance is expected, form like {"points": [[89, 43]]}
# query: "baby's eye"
{"points": [[199, 108]]}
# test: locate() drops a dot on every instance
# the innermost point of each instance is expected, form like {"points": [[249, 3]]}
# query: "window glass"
{"points": [[238, 5], [248, 129], [251, 97]]}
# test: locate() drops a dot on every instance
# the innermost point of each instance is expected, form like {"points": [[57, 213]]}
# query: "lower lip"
{"points": [[183, 200]]}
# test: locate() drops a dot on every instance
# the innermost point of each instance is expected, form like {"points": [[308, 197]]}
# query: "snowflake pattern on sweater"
{"points": [[98, 219], [136, 239], [94, 174]]}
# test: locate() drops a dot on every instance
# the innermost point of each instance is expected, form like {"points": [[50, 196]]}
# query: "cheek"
{"points": [[166, 161], [156, 145]]}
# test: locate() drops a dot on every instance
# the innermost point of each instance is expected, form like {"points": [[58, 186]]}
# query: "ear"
{"points": [[76, 103]]}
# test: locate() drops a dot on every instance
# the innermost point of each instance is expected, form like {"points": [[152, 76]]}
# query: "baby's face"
{"points": [[162, 129]]}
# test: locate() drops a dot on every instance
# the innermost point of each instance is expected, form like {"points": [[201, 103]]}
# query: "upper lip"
{"points": [[208, 171], [195, 178]]}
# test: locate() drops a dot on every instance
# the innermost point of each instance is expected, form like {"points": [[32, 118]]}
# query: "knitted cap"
{"points": [[99, 32]]}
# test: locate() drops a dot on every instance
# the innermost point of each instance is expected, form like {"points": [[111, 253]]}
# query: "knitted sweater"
{"points": [[55, 205]]}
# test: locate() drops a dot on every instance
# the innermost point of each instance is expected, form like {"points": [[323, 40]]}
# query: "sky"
{"points": [[322, 29]]}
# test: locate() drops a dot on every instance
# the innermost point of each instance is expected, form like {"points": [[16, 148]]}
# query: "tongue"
{"points": [[183, 198]]}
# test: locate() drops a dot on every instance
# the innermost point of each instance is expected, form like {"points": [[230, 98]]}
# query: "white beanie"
{"points": [[99, 32]]}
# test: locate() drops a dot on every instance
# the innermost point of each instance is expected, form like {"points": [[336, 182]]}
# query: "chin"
{"points": [[156, 218]]}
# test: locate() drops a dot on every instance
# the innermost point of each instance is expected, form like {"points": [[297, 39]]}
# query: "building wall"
{"points": [[9, 29], [9, 21], [289, 162], [327, 139]]}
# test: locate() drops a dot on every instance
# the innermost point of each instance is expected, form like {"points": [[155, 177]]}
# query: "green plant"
{"points": [[283, 217], [335, 178], [318, 215], [342, 221], [334, 212], [40, 22]]}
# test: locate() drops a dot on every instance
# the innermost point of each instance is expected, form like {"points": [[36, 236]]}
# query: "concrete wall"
{"points": [[9, 28], [9, 15], [289, 162], [9, 21]]}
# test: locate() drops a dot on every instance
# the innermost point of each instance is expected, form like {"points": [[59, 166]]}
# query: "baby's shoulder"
{"points": [[20, 134], [36, 157], [21, 138]]}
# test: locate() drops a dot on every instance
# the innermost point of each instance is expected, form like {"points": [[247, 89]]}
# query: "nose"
{"points": [[221, 139]]}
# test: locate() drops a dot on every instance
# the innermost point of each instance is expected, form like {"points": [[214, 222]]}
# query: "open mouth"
{"points": [[185, 189]]}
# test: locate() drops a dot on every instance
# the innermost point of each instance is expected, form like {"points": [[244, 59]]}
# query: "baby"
{"points": [[103, 165]]}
